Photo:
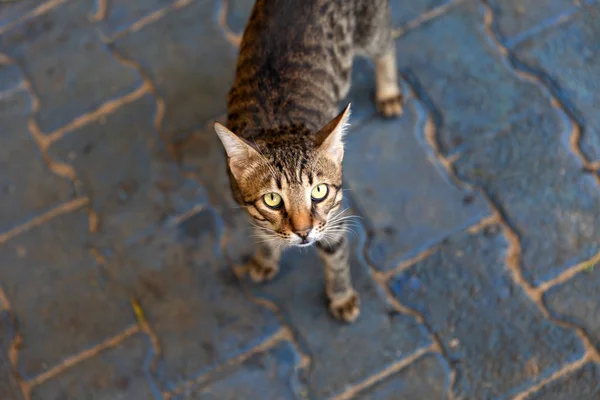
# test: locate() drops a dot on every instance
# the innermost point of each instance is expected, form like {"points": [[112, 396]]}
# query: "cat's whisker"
{"points": [[262, 228], [346, 225], [343, 222], [340, 229], [341, 215], [340, 224]]}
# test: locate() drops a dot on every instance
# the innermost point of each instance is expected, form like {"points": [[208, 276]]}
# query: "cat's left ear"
{"points": [[330, 139], [239, 153]]}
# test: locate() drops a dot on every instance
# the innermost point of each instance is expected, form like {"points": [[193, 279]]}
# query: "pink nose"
{"points": [[303, 233]]}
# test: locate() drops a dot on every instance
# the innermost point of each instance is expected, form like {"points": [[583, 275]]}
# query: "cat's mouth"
{"points": [[306, 243]]}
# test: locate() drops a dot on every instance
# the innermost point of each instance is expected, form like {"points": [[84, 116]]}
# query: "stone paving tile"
{"points": [[530, 171], [341, 354], [518, 16], [10, 76], [71, 308], [469, 83], [274, 369], [362, 92], [501, 126], [203, 155], [9, 388], [191, 298], [499, 339], [404, 11], [12, 11], [581, 385], [427, 378], [123, 14], [114, 374], [569, 55], [238, 12], [27, 187], [408, 203], [70, 68], [124, 169], [577, 301], [192, 74]]}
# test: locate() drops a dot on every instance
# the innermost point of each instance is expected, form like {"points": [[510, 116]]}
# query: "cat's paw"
{"points": [[390, 106], [259, 272], [345, 308]]}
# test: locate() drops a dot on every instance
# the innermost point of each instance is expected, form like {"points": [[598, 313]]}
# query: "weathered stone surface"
{"points": [[584, 384], [362, 92], [9, 388], [530, 171], [472, 88], [10, 12], [80, 74], [274, 369], [125, 13], [191, 74], [27, 187], [164, 245], [404, 11], [569, 55], [427, 378], [238, 12], [341, 354], [71, 309], [191, 297], [10, 77], [203, 155], [115, 374], [123, 167], [517, 17], [497, 336], [399, 188], [576, 301]]}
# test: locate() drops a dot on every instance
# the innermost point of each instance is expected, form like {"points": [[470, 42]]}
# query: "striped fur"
{"points": [[283, 136]]}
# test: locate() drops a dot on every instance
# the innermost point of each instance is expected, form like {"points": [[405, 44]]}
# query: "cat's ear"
{"points": [[330, 139], [239, 153]]}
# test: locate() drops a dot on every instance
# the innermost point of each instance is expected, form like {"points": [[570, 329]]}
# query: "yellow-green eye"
{"points": [[319, 192], [273, 200]]}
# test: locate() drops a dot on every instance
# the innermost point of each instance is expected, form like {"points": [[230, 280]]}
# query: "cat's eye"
{"points": [[272, 200], [319, 192]]}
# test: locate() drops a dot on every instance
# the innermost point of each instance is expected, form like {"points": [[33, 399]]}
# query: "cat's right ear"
{"points": [[239, 153], [330, 139]]}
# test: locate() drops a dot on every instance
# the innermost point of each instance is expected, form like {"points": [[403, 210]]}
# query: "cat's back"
{"points": [[295, 61]]}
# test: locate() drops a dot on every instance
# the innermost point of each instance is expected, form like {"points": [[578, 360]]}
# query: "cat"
{"points": [[283, 137]]}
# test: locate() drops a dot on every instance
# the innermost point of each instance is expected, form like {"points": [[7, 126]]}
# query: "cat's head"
{"points": [[290, 183]]}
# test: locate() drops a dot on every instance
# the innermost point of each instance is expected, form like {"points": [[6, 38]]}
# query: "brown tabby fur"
{"points": [[282, 132]]}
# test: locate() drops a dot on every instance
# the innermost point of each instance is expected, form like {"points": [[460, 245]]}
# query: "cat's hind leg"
{"points": [[387, 93], [374, 39]]}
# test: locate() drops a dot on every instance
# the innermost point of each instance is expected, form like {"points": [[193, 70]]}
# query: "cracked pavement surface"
{"points": [[477, 254]]}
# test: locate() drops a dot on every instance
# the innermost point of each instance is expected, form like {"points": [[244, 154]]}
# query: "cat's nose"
{"points": [[303, 233]]}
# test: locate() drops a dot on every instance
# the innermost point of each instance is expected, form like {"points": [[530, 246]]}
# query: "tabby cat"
{"points": [[283, 140]]}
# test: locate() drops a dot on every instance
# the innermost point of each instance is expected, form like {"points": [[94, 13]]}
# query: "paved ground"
{"points": [[475, 255]]}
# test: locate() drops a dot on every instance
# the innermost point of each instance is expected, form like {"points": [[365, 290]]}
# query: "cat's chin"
{"points": [[307, 244]]}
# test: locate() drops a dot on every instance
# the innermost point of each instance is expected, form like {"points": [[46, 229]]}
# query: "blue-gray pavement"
{"points": [[475, 249]]}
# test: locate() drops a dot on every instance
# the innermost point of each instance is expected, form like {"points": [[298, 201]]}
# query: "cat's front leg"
{"points": [[264, 264], [344, 302]]}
